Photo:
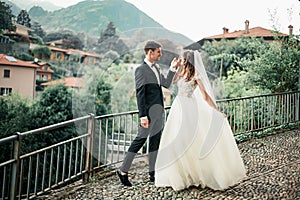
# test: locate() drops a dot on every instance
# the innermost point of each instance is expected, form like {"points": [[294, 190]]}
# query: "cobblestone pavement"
{"points": [[273, 172]]}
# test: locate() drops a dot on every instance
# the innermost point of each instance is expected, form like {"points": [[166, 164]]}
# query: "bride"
{"points": [[197, 145]]}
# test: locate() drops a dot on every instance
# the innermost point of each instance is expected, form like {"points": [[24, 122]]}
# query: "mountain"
{"points": [[27, 4], [93, 16], [14, 8]]}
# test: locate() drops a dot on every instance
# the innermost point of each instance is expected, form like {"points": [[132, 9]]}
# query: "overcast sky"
{"points": [[198, 18]]}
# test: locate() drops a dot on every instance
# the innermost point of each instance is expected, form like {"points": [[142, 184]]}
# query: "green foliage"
{"points": [[6, 17], [24, 19], [95, 96], [123, 92], [103, 98], [37, 30], [54, 105], [24, 56], [228, 54], [37, 11], [71, 40], [112, 56], [237, 84], [15, 115], [110, 31], [59, 71], [42, 52], [250, 66], [277, 67]]}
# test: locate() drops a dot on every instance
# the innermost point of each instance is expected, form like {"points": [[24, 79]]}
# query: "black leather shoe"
{"points": [[152, 178], [124, 179]]}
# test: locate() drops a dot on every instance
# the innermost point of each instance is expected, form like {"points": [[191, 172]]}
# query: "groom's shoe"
{"points": [[151, 176], [124, 179]]}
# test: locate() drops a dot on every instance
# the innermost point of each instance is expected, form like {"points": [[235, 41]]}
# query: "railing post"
{"points": [[89, 148], [297, 113], [15, 172], [252, 115]]}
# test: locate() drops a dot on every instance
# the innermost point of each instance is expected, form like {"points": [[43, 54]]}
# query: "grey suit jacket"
{"points": [[148, 91]]}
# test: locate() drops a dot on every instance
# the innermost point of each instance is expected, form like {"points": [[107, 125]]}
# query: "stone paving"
{"points": [[273, 172]]}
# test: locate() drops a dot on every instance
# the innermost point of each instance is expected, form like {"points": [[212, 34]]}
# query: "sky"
{"points": [[197, 19]]}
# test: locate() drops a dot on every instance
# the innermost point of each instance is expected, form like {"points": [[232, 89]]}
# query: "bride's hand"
{"points": [[180, 61], [225, 116], [177, 62], [174, 63]]}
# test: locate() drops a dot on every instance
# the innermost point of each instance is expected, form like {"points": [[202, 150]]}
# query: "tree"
{"points": [[24, 19], [70, 40], [103, 98], [6, 17], [228, 54], [110, 41], [37, 29], [54, 106], [42, 52], [15, 116], [277, 66], [109, 32]]}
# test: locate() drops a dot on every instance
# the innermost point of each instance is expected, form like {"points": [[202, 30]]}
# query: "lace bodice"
{"points": [[186, 88]]}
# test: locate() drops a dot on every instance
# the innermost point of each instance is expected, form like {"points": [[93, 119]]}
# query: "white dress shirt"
{"points": [[153, 69]]}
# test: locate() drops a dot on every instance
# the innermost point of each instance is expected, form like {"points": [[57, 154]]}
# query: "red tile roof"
{"points": [[47, 71], [253, 32], [70, 51], [9, 60], [68, 82]]}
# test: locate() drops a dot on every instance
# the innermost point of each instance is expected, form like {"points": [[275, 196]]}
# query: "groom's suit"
{"points": [[150, 103]]}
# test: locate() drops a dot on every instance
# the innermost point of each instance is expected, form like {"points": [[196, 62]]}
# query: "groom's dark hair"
{"points": [[151, 44]]}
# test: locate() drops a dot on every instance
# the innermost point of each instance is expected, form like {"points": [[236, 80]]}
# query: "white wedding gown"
{"points": [[197, 145]]}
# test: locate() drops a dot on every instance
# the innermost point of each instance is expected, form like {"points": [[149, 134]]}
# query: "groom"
{"points": [[149, 82]]}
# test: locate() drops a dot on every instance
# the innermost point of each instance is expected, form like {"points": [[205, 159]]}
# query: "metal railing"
{"points": [[102, 142]]}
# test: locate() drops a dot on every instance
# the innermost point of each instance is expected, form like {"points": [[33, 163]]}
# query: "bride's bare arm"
{"points": [[177, 75], [205, 95]]}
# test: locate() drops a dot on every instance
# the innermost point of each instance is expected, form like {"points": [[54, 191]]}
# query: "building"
{"points": [[43, 72], [71, 55], [17, 76], [73, 82], [266, 34]]}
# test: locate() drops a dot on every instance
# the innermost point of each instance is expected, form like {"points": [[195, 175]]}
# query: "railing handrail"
{"points": [[55, 126], [256, 96], [8, 139]]}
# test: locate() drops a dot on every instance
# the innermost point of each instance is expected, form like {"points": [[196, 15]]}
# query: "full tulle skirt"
{"points": [[197, 148]]}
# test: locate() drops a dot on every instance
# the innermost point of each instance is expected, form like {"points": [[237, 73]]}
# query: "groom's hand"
{"points": [[144, 122]]}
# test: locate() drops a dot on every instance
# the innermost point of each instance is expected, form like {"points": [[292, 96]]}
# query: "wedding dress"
{"points": [[197, 145]]}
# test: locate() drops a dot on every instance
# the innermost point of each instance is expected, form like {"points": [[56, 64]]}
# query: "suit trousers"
{"points": [[154, 133]]}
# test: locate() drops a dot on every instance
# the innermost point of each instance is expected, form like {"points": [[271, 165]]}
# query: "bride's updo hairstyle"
{"points": [[189, 68]]}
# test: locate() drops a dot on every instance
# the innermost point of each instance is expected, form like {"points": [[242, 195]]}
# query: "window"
{"points": [[91, 60], [44, 77], [6, 73], [37, 77], [58, 55], [5, 91]]}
